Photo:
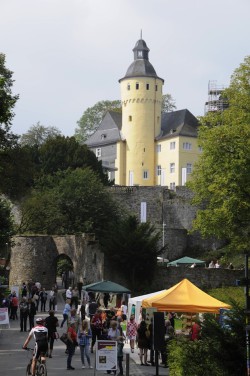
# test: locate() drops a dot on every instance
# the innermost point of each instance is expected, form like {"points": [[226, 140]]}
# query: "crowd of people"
{"points": [[85, 320]]}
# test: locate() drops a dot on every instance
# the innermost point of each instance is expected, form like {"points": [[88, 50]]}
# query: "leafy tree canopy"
{"points": [[17, 170], [133, 245], [7, 101], [168, 103], [38, 134], [92, 118], [61, 153], [6, 225], [69, 202], [221, 179]]}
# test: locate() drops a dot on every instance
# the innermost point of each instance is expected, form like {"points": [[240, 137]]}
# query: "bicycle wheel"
{"points": [[28, 370], [42, 370]]}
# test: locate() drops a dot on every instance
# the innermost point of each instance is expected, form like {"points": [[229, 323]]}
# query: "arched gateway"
{"points": [[35, 258]]}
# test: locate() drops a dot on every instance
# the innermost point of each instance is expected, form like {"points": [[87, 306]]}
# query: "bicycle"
{"points": [[41, 369]]}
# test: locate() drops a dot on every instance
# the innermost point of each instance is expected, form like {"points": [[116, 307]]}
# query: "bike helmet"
{"points": [[39, 320]]}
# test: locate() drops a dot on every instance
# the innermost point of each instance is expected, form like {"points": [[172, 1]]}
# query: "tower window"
{"points": [[156, 87], [147, 86], [128, 87], [137, 85], [130, 118], [145, 174]]}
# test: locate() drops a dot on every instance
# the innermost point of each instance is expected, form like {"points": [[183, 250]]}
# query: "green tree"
{"points": [[17, 171], [69, 202], [6, 225], [61, 153], [7, 101], [92, 118], [221, 178], [168, 103], [134, 246], [38, 134]]}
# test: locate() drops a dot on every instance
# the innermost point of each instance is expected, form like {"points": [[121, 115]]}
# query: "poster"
{"points": [[16, 289], [4, 316], [106, 355]]}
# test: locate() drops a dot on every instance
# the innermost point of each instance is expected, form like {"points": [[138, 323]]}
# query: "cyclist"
{"points": [[40, 334]]}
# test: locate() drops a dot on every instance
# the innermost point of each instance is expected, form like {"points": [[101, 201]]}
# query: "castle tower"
{"points": [[141, 96]]}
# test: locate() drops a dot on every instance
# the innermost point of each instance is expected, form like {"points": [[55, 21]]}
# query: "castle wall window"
{"points": [[137, 85], [145, 174], [130, 118], [189, 168], [172, 168], [128, 87], [156, 87], [158, 148], [200, 148], [158, 171], [187, 146], [147, 86], [98, 152], [172, 145]]}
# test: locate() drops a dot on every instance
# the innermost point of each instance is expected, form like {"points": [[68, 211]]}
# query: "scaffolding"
{"points": [[216, 102]]}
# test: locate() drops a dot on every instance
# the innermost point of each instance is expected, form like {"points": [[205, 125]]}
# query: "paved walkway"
{"points": [[13, 359]]}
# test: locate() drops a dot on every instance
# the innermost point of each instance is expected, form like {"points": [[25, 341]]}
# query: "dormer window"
{"points": [[103, 136]]}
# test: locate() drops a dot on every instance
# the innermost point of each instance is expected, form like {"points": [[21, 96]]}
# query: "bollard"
{"points": [[127, 364]]}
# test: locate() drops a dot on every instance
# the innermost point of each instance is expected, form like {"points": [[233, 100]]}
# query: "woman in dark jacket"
{"points": [[32, 312], [143, 342]]}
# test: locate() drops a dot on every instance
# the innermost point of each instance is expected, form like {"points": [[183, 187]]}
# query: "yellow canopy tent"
{"points": [[184, 297]]}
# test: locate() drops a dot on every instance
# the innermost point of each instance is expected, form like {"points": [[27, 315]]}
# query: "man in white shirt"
{"points": [[69, 293]]}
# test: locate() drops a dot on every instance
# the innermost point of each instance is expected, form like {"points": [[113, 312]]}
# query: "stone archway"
{"points": [[35, 258]]}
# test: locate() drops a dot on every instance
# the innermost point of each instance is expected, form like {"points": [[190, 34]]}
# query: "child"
{"points": [[120, 345]]}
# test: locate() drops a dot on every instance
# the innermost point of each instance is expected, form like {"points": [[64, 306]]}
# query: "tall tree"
{"points": [[221, 179], [92, 118], [6, 226], [38, 134], [7, 101], [168, 103], [133, 245], [61, 153], [69, 202]]}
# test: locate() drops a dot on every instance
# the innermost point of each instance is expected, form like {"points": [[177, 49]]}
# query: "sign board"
{"points": [[106, 355], [4, 316]]}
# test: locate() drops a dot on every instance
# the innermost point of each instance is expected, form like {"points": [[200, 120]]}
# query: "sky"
{"points": [[66, 55]]}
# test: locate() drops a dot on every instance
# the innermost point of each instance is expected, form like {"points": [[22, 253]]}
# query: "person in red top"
{"points": [[96, 327], [71, 343], [195, 331], [14, 307]]}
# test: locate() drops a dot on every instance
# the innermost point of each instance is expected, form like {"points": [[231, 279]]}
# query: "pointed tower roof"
{"points": [[141, 67]]}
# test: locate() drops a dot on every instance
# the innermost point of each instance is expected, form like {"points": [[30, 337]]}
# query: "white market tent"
{"points": [[137, 301]]}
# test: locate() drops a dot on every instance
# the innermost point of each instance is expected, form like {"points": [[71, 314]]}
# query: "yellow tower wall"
{"points": [[141, 123]]}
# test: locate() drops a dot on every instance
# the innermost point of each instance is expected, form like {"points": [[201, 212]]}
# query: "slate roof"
{"points": [[178, 123], [108, 131], [141, 67]]}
